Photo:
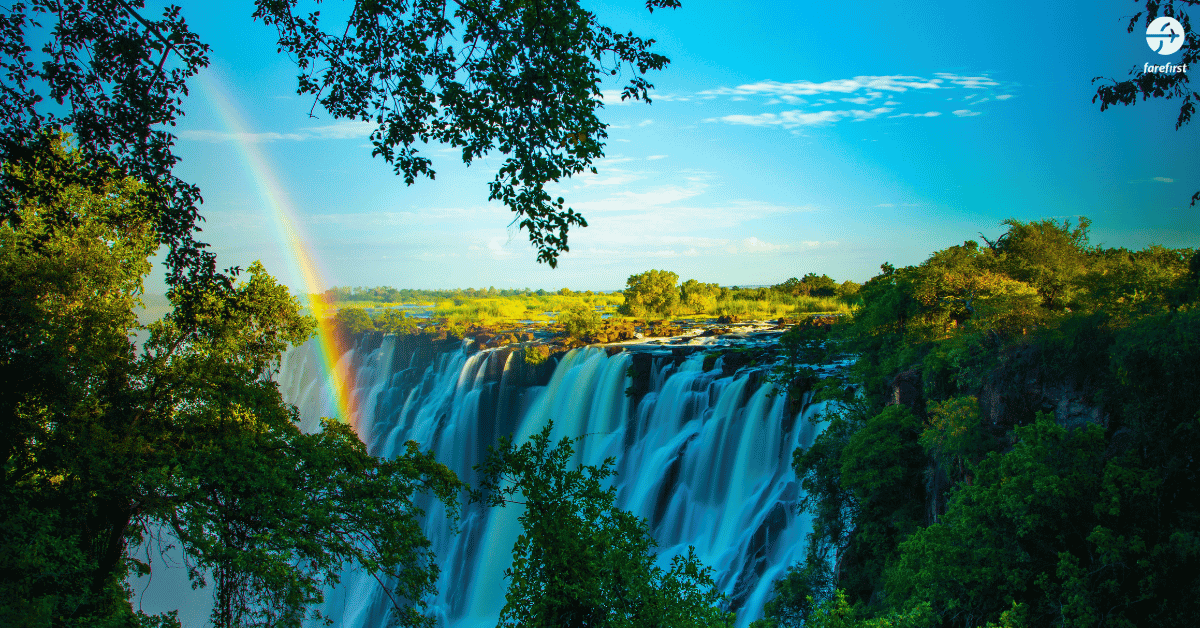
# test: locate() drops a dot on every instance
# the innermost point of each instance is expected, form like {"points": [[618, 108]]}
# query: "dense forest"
{"points": [[1016, 441]]}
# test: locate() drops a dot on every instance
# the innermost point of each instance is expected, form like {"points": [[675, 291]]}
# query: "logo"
{"points": [[1165, 35]]}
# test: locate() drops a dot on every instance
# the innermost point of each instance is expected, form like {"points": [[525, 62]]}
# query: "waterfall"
{"points": [[704, 456]]}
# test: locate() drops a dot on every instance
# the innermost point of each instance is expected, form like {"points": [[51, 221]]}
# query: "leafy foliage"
{"points": [[523, 79], [1016, 516], [104, 66], [580, 321], [104, 442], [699, 297], [394, 321], [581, 561], [353, 320], [652, 293], [812, 285]]}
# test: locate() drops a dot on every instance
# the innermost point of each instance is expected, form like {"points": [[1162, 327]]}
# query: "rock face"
{"points": [[1020, 387], [906, 391]]}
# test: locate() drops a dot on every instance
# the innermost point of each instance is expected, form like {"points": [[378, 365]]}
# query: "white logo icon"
{"points": [[1165, 35]]}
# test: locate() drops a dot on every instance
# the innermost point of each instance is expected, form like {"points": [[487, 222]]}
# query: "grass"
{"points": [[499, 310]]}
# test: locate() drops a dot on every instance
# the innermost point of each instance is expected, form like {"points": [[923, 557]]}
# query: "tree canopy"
{"points": [[523, 79], [580, 560], [105, 442], [652, 293], [1019, 453]]}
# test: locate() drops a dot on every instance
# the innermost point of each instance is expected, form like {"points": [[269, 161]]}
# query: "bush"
{"points": [[580, 321], [353, 320], [536, 355]]}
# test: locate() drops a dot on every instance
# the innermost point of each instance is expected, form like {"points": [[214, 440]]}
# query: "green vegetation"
{"points": [[654, 292], [581, 561], [580, 321], [188, 438], [104, 441], [948, 496], [116, 78]]}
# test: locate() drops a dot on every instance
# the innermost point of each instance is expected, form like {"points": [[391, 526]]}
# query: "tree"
{"points": [[580, 321], [814, 285], [103, 442], [395, 321], [1047, 255], [882, 468], [580, 560], [1168, 85], [699, 297], [652, 293], [523, 79], [353, 320]]}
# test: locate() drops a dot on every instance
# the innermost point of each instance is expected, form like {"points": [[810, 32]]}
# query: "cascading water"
{"points": [[705, 456]]}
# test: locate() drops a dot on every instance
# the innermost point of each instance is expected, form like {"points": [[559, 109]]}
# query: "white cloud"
{"points": [[1164, 179], [655, 157], [895, 83], [1004, 96], [969, 82], [342, 130], [612, 97], [645, 122], [754, 245], [339, 130], [859, 90], [788, 99], [927, 114], [493, 249], [614, 178], [796, 118]]}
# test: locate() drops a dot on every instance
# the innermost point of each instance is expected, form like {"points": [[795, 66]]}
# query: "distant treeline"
{"points": [[811, 285], [387, 294]]}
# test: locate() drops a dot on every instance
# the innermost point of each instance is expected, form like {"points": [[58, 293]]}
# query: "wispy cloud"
{"points": [[840, 86], [927, 114], [656, 157], [339, 130], [796, 118], [863, 91], [1164, 179]]}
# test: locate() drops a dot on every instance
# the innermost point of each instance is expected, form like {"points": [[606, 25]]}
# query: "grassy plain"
{"points": [[474, 309]]}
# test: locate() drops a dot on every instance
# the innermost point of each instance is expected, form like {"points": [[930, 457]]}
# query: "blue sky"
{"points": [[784, 138]]}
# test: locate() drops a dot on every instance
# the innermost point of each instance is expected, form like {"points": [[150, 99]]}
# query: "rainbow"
{"points": [[276, 201]]}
